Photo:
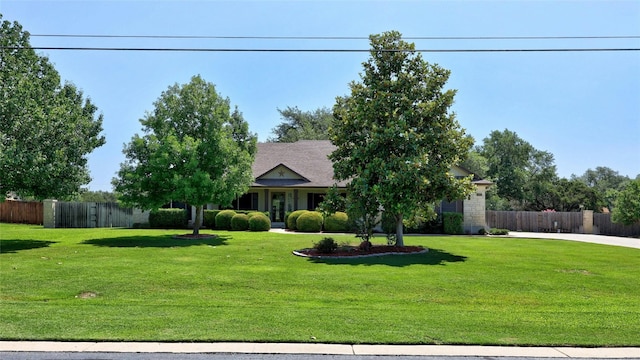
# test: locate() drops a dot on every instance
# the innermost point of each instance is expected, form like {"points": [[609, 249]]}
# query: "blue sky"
{"points": [[584, 107]]}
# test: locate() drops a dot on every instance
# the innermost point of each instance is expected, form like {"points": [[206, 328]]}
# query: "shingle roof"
{"points": [[308, 158]]}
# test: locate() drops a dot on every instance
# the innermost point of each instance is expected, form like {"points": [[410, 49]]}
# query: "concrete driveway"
{"points": [[596, 239]]}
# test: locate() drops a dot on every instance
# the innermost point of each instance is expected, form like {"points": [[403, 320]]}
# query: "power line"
{"points": [[335, 37], [168, 49]]}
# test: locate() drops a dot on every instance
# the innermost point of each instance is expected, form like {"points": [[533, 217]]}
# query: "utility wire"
{"points": [[168, 49], [335, 37]]}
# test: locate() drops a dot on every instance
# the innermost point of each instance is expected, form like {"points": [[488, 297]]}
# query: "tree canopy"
{"points": [[46, 129], [396, 138], [627, 205], [194, 150], [302, 125]]}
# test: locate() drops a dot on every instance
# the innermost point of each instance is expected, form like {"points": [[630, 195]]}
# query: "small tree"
{"points": [[627, 205], [194, 151], [395, 136]]}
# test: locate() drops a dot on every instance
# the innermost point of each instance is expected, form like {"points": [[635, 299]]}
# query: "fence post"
{"points": [[587, 221], [49, 213]]}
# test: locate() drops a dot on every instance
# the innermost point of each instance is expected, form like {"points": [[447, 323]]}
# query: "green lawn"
{"points": [[249, 287]]}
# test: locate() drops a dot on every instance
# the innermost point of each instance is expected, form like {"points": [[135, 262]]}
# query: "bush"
{"points": [[309, 221], [240, 222], [293, 218], [482, 231], [498, 231], [286, 217], [259, 222], [452, 223], [337, 222], [168, 219], [209, 218], [223, 219], [326, 246]]}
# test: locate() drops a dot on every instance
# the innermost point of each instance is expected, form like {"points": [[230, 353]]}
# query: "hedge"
{"points": [[240, 222], [223, 219], [337, 222], [259, 222], [309, 221], [209, 218], [168, 219], [293, 218], [452, 223]]}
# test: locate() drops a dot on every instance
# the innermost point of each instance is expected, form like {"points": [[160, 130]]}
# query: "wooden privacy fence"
{"points": [[602, 224], [535, 221], [573, 222], [22, 212], [90, 215]]}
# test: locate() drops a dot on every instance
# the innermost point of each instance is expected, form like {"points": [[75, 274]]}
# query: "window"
{"points": [[246, 202], [313, 200]]}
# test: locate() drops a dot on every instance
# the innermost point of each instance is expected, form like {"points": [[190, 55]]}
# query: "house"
{"points": [[293, 176]]}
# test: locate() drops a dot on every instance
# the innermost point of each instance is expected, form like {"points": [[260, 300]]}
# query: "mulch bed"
{"points": [[194, 237], [355, 251]]}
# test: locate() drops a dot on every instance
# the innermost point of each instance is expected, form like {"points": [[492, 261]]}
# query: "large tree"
{"points": [[395, 135], [520, 171], [302, 125], [194, 150], [627, 206], [47, 129], [606, 182]]}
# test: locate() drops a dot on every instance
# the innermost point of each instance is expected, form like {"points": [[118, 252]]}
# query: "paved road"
{"points": [[165, 356]]}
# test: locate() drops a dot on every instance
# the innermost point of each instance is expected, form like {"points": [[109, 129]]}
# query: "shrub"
{"points": [[209, 218], [293, 218], [259, 222], [337, 222], [286, 217], [452, 223], [168, 219], [309, 221], [326, 246], [482, 231], [223, 219], [498, 231], [240, 222]]}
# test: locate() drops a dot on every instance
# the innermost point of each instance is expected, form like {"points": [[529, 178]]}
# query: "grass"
{"points": [[143, 285]]}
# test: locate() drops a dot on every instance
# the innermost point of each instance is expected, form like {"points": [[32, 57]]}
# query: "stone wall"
{"points": [[474, 211]]}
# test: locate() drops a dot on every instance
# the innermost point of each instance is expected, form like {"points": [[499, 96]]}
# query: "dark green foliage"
{"points": [[326, 246], [47, 128], [210, 218], [302, 125], [223, 219], [452, 223], [395, 136], [336, 222], [498, 231], [293, 218], [482, 231], [259, 222], [240, 222], [168, 219], [309, 221], [627, 210]]}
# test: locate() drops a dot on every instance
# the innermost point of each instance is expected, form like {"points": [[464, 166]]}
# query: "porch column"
{"points": [[266, 201], [295, 199]]}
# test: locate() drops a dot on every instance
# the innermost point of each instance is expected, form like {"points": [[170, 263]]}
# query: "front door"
{"points": [[277, 206]]}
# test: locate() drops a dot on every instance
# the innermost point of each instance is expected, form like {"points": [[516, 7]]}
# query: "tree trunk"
{"points": [[198, 220], [399, 237]]}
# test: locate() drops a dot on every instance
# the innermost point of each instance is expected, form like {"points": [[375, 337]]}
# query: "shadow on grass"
{"points": [[163, 241], [433, 257], [13, 246]]}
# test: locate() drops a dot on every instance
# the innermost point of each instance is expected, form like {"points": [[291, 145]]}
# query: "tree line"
{"points": [[395, 139]]}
